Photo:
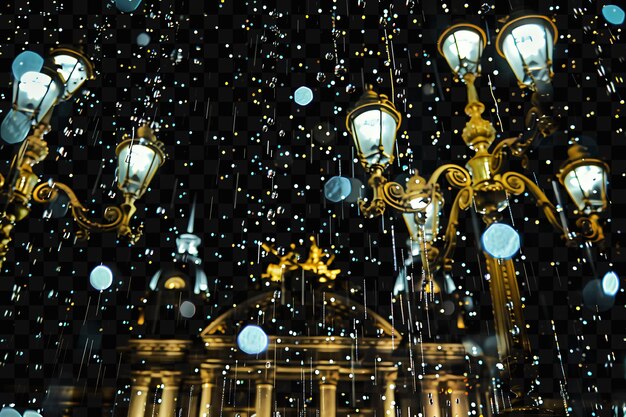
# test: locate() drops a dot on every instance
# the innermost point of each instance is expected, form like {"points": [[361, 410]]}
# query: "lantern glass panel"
{"points": [[528, 49], [73, 71], [37, 93], [372, 129], [137, 164], [462, 49], [586, 185]]}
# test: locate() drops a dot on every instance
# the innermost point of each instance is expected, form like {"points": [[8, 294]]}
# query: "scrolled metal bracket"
{"points": [[538, 124], [589, 227], [462, 202], [117, 218], [386, 193]]}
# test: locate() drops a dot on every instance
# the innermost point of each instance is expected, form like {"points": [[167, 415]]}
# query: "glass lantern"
{"points": [[138, 160], [462, 45], [527, 43], [373, 124]]}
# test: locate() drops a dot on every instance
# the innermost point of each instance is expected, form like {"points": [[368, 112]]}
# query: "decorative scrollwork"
{"points": [[516, 146], [116, 218], [517, 183], [590, 228], [462, 201], [537, 124], [374, 209], [514, 182], [394, 195], [389, 193], [456, 175]]}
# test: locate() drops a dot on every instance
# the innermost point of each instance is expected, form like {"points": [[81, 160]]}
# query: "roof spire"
{"points": [[187, 243], [192, 215]]}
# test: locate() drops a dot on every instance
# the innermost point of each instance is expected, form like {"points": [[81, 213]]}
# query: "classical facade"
{"points": [[328, 355]]}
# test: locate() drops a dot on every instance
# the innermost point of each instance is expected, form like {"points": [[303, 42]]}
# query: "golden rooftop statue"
{"points": [[290, 262]]}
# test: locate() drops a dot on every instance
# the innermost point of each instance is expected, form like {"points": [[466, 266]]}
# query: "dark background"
{"points": [[218, 79]]}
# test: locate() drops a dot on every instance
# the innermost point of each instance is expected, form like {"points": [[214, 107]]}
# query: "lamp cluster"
{"points": [[526, 42], [38, 86], [484, 184]]}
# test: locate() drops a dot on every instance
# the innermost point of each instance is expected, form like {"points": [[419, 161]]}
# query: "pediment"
{"points": [[322, 314]]}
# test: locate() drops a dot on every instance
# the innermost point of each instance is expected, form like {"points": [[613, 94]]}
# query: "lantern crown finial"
{"points": [[578, 151], [145, 131]]}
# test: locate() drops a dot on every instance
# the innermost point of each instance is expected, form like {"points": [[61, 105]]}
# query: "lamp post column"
{"points": [[459, 404], [513, 346], [194, 398], [430, 397], [477, 397], [20, 189], [328, 394], [169, 395], [139, 395], [208, 393]]}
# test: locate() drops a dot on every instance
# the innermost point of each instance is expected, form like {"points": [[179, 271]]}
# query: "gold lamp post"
{"points": [[34, 96], [484, 184]]}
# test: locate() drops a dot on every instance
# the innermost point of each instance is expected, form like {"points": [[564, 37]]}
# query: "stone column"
{"points": [[191, 404], [140, 386], [208, 394], [459, 404], [263, 402], [389, 399], [430, 398], [328, 394], [170, 382]]}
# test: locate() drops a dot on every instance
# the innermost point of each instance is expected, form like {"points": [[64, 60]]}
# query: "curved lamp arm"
{"points": [[386, 193], [590, 227], [389, 193], [516, 183], [462, 201], [456, 175], [118, 218], [537, 124], [513, 147]]}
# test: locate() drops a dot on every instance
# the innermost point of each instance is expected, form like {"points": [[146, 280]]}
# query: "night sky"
{"points": [[217, 81]]}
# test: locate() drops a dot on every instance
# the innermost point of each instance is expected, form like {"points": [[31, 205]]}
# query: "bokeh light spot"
{"points": [[501, 241]]}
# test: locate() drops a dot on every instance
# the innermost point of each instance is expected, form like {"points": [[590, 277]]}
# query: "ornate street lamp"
{"points": [[484, 184], [373, 124], [137, 164], [37, 88], [35, 93]]}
